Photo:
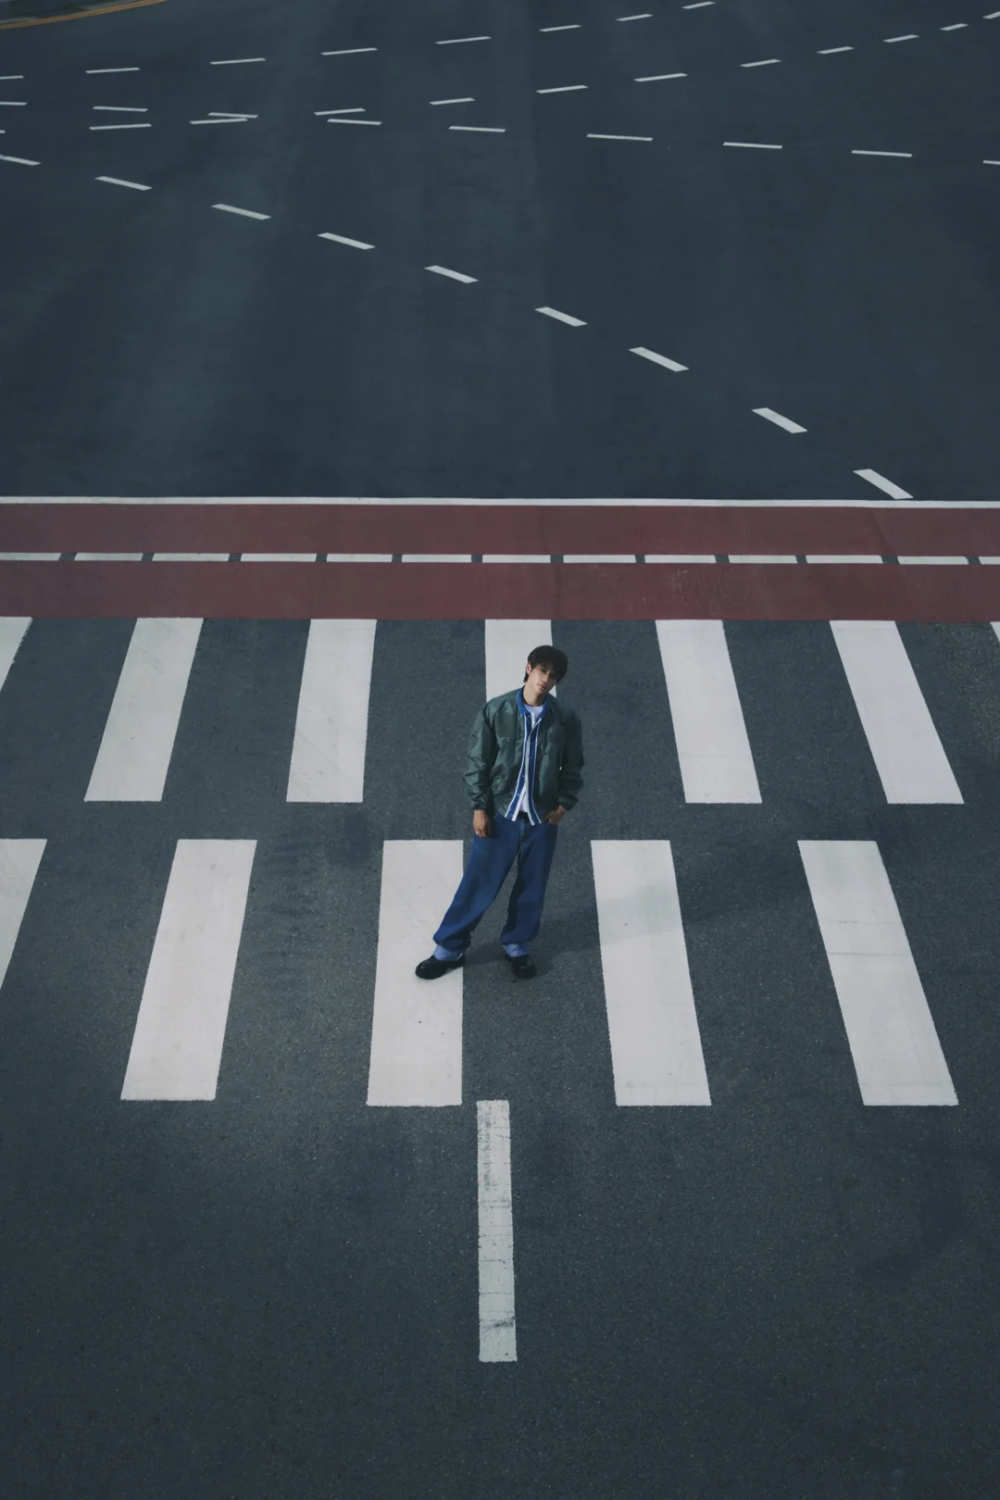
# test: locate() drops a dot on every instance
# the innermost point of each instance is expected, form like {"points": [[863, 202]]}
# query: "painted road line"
{"points": [[108, 557], [680, 557], [11, 77], [359, 557], [232, 62], [453, 41], [754, 145], [763, 63], [599, 557], [550, 312], [777, 419], [224, 120], [716, 762], [112, 70], [435, 557], [123, 109], [30, 556], [508, 644], [348, 51], [19, 861], [13, 629], [331, 720], [190, 557], [646, 15], [497, 1334], [278, 557], [133, 125], [956, 26], [843, 557], [593, 136], [564, 88], [13, 103], [656, 1054], [227, 114], [342, 239], [697, 4], [573, 26], [894, 1043], [342, 120], [760, 558], [139, 735], [355, 110], [829, 51], [177, 1044], [880, 482], [416, 1049], [905, 747], [244, 213], [657, 359], [660, 77], [455, 275], [523, 557], [482, 129], [467, 100], [911, 36], [881, 153], [953, 561], [987, 162]]}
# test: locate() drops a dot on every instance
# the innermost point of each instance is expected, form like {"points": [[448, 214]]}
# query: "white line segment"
{"points": [[231, 62], [133, 125], [453, 41], [416, 1047], [354, 110], [754, 145], [112, 70], [482, 129], [348, 51], [550, 312], [564, 88], [341, 239], [331, 720], [660, 77], [179, 1032], [880, 482], [246, 213], [341, 120], [656, 1054], [13, 629], [882, 153], [911, 36], [908, 755], [141, 728], [891, 1032], [497, 1333], [468, 99], [777, 419], [829, 51], [123, 109], [455, 275], [221, 120], [19, 861], [593, 136], [763, 63], [713, 750], [22, 161], [572, 26]]}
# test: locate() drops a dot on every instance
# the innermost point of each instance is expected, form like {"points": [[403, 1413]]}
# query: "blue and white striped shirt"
{"points": [[523, 799]]}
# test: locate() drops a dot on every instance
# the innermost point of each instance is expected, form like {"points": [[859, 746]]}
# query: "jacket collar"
{"points": [[522, 707]]}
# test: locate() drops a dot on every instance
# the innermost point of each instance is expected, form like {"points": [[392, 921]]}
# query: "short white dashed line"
{"points": [[828, 51], [483, 129], [938, 561], [882, 153], [246, 213], [754, 145], [763, 63], [596, 136], [355, 110], [988, 163], [956, 26], [227, 114], [112, 70], [133, 125], [550, 312], [436, 557], [777, 419], [698, 5], [575, 26], [760, 557], [993, 15], [348, 51], [11, 77], [340, 120], [599, 557], [843, 557], [452, 41], [647, 15], [232, 62], [122, 109], [657, 359], [224, 120], [359, 557], [880, 482], [13, 103], [565, 88], [341, 239], [911, 36], [140, 187], [468, 100], [22, 161], [659, 77], [455, 275], [680, 557]]}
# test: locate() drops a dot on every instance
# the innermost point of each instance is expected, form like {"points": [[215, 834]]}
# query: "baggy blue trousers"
{"points": [[487, 867]]}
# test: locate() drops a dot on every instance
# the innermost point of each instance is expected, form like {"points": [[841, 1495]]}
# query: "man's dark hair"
{"points": [[549, 656]]}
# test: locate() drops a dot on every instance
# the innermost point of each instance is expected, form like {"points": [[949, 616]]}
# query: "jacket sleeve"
{"points": [[570, 772], [482, 754]]}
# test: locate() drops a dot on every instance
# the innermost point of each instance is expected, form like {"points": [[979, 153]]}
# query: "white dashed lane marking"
{"points": [[482, 129], [829, 51], [564, 88], [342, 120], [132, 125], [356, 109], [658, 359], [594, 136], [112, 70], [660, 77], [880, 482], [468, 100], [575, 26], [453, 41], [122, 109], [882, 153], [341, 239], [22, 161], [455, 275], [777, 419], [348, 51], [754, 145], [245, 213], [232, 62], [550, 312], [140, 187], [763, 63]]}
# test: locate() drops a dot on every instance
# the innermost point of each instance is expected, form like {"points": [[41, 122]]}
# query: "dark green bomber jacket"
{"points": [[496, 744]]}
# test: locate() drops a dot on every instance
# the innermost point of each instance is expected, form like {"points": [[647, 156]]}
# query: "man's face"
{"points": [[541, 680]]}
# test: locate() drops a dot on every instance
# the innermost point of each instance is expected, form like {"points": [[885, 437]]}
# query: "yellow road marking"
{"points": [[79, 15]]}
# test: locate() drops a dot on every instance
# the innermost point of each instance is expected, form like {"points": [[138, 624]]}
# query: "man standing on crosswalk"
{"points": [[523, 777]]}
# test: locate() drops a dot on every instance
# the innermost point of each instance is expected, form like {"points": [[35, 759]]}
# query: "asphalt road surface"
{"points": [[708, 1209]]}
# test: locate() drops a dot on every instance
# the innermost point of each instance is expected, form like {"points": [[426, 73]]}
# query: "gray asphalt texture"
{"points": [[274, 1295]]}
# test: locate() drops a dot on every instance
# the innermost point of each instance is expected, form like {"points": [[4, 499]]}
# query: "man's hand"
{"points": [[556, 815], [481, 825]]}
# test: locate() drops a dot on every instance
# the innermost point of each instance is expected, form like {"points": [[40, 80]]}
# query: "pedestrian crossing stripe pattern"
{"points": [[416, 1037], [327, 762]]}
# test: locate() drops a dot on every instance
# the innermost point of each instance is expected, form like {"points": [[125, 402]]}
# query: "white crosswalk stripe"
{"points": [[331, 723], [712, 745], [19, 861]]}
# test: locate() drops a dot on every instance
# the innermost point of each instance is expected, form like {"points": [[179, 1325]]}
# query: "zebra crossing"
{"points": [[328, 755], [654, 1048]]}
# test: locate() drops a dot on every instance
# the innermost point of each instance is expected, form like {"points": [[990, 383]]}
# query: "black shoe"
{"points": [[523, 966], [433, 968]]}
